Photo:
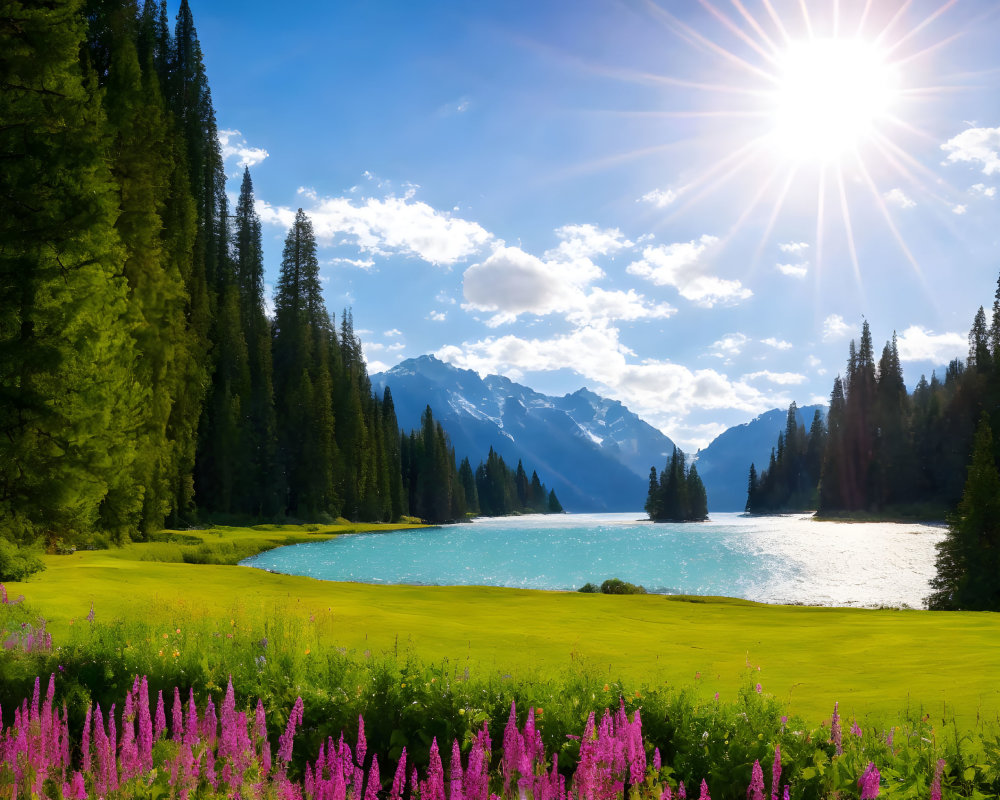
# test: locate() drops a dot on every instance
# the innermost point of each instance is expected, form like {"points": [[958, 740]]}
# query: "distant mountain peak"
{"points": [[593, 451]]}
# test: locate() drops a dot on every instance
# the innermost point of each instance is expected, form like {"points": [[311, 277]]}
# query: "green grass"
{"points": [[877, 664]]}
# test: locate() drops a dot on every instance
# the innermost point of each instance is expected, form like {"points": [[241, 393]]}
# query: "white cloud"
{"points": [[679, 265], [396, 347], [444, 297], [437, 316], [793, 270], [983, 189], [958, 209], [387, 225], [512, 282], [777, 344], [919, 344], [976, 146], [661, 198], [780, 378], [898, 198], [659, 391], [579, 242], [233, 144], [729, 345], [834, 327], [376, 366], [392, 332], [796, 248], [360, 263]]}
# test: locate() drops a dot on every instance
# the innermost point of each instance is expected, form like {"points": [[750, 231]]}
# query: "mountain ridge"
{"points": [[593, 451]]}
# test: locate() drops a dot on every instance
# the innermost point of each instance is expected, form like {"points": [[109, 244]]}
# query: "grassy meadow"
{"points": [[878, 664]]}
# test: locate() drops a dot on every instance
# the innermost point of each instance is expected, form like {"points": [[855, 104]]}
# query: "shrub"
{"points": [[589, 588], [617, 586], [17, 563]]}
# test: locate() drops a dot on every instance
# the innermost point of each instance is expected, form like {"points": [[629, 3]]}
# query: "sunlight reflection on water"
{"points": [[789, 559]]}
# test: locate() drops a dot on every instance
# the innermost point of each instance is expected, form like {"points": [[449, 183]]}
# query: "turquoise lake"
{"points": [[788, 559]]}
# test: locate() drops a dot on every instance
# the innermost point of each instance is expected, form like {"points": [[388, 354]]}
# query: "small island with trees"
{"points": [[677, 495]]}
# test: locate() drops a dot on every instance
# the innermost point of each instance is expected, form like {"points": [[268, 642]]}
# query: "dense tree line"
{"points": [[141, 382], [677, 494], [885, 450], [968, 559], [436, 489], [790, 480]]}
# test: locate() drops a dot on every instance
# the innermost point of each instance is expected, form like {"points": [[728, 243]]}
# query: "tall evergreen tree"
{"points": [[751, 489], [141, 149], [302, 383], [968, 562], [67, 390], [261, 491]]}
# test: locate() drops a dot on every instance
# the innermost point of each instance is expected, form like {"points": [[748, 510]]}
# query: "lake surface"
{"points": [[788, 559]]}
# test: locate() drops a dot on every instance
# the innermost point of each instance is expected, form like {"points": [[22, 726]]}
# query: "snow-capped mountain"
{"points": [[594, 452]]}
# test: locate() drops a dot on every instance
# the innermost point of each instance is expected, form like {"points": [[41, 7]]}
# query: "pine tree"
{"points": [[390, 430], [142, 497], [536, 490], [751, 506], [67, 388], [554, 506], [979, 344], [302, 384], [467, 479], [697, 498], [261, 492], [652, 507], [968, 562], [833, 478]]}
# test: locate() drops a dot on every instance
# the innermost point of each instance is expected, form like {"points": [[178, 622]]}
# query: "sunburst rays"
{"points": [[746, 43]]}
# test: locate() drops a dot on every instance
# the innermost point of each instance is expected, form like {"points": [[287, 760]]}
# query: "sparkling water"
{"points": [[785, 559]]}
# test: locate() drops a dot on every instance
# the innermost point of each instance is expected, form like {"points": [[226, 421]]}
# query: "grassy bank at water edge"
{"points": [[875, 663]]}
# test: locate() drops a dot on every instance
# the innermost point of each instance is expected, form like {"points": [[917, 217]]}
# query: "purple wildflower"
{"points": [[835, 734], [936, 783], [704, 791], [869, 782], [776, 772], [755, 791], [362, 746], [399, 779]]}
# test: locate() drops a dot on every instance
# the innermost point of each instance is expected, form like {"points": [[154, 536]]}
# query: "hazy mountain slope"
{"points": [[724, 465], [594, 452]]}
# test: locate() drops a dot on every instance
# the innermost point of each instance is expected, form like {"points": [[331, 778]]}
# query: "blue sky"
{"points": [[689, 207]]}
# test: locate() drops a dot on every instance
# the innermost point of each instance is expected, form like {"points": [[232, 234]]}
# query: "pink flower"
{"points": [[835, 734], [936, 783], [362, 746], [755, 791], [776, 772], [161, 718], [758, 688], [374, 781], [704, 791], [399, 779], [869, 782], [657, 763]]}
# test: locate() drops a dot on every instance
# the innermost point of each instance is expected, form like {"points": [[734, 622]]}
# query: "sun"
{"points": [[831, 95]]}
